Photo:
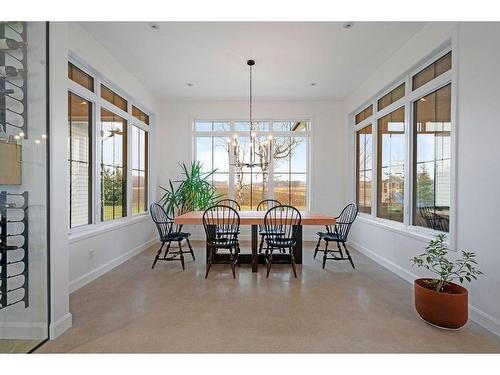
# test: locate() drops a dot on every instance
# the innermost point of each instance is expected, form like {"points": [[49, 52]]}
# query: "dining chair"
{"points": [[265, 205], [229, 202], [222, 225], [169, 232], [282, 225], [338, 234]]}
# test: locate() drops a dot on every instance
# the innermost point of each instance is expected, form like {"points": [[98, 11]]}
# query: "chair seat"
{"points": [[184, 234], [173, 237], [330, 236], [281, 242], [276, 232], [227, 232], [223, 243]]}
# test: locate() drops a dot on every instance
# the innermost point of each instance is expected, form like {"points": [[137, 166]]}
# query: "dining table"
{"points": [[255, 219]]}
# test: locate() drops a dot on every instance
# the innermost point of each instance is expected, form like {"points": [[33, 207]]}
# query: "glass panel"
{"points": [[203, 126], [24, 277], [204, 152], [221, 126], [391, 151], [257, 126], [432, 71], [364, 114], [242, 188], [298, 190], [113, 166], [287, 126], [139, 170], [220, 154], [79, 160], [298, 155], [391, 97], [113, 98], [364, 169], [432, 129], [221, 183], [282, 187], [140, 115], [80, 77]]}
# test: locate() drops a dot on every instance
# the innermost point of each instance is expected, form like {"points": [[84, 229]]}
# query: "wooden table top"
{"points": [[256, 218]]}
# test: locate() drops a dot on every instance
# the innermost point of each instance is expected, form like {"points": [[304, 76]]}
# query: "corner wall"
{"points": [[81, 258], [477, 153]]}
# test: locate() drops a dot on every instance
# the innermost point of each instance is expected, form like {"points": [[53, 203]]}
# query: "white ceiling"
{"points": [[289, 56]]}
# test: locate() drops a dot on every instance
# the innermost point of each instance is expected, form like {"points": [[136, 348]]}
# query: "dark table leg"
{"points": [[255, 256], [297, 250]]}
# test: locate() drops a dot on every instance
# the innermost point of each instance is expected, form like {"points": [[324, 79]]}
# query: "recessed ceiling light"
{"points": [[154, 25], [348, 25], [190, 84], [313, 83]]}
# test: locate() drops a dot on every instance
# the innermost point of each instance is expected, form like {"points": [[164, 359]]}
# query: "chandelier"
{"points": [[260, 151]]}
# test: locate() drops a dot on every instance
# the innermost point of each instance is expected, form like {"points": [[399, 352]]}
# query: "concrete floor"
{"points": [[337, 310]]}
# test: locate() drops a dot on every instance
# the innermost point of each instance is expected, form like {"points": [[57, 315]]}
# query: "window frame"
{"points": [[244, 133], [411, 96], [92, 134], [97, 103]]}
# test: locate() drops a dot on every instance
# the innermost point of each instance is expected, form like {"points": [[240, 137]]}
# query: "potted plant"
{"points": [[439, 300], [193, 192]]}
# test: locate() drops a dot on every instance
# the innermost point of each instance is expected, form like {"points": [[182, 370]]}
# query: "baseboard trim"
{"points": [[101, 270], [60, 326], [485, 320]]}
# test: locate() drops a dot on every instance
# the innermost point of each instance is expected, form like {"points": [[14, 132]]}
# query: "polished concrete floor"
{"points": [[337, 310]]}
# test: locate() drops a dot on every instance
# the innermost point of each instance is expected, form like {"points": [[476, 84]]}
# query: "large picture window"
{"points": [[79, 160], [403, 149], [391, 167], [432, 160], [114, 130], [222, 145], [113, 166]]}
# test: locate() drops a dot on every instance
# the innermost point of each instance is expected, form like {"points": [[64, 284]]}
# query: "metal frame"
{"points": [[449, 77], [242, 133]]}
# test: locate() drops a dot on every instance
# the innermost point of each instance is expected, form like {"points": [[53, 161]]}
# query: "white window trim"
{"points": [[229, 133], [97, 226], [450, 77]]}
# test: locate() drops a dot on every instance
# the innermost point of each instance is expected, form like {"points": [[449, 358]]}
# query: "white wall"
{"points": [[328, 151], [478, 135], [88, 254]]}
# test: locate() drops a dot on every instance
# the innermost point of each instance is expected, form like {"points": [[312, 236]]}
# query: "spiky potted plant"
{"points": [[194, 191], [439, 300]]}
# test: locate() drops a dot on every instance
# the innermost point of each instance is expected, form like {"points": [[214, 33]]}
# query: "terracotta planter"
{"points": [[448, 309]]}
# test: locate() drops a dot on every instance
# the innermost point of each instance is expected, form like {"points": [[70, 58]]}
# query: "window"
{"points": [[364, 114], [432, 160], [79, 76], [432, 71], [138, 114], [79, 160], [112, 97], [390, 170], [290, 171], [412, 179], [99, 189], [391, 97], [113, 166], [139, 170], [286, 180], [212, 152], [364, 169]]}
